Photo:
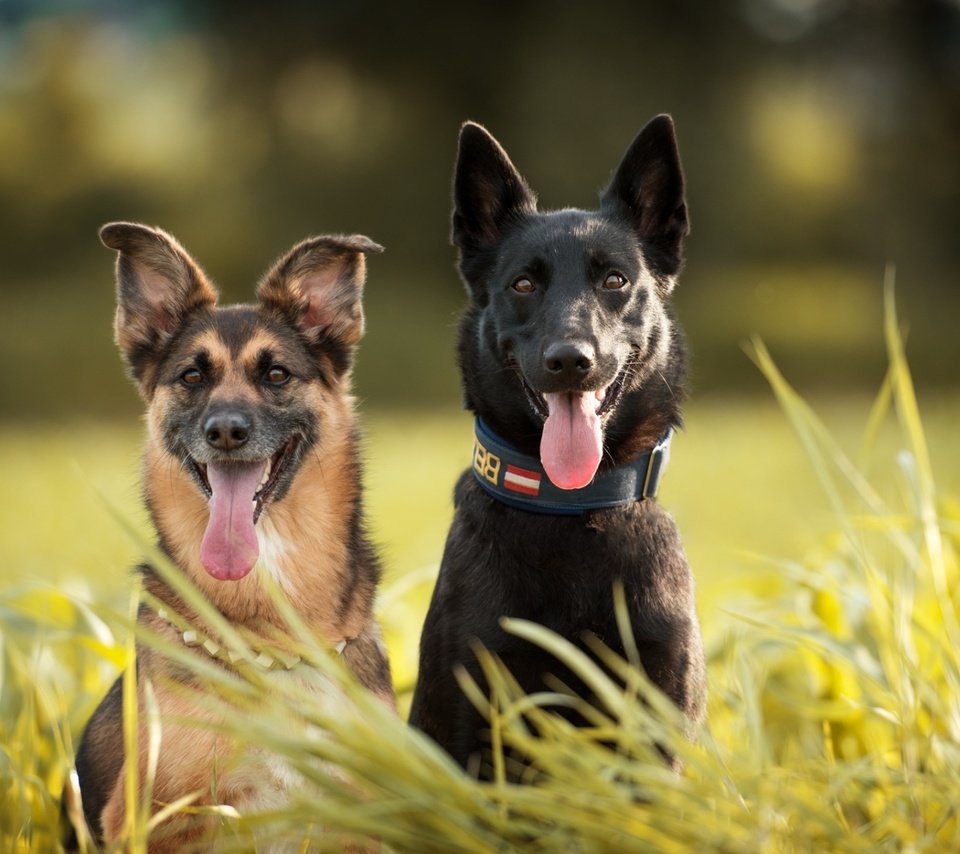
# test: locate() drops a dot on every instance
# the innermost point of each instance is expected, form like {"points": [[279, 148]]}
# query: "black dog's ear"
{"points": [[648, 190], [318, 286], [488, 191], [158, 285]]}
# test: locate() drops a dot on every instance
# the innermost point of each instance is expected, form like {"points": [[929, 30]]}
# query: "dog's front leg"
{"points": [[192, 760]]}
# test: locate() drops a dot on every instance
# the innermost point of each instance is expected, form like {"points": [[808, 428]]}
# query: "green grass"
{"points": [[826, 587]]}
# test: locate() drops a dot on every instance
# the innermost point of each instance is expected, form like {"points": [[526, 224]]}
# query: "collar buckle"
{"points": [[656, 465]]}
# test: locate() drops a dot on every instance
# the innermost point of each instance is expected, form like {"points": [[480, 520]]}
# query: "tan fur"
{"points": [[180, 772], [304, 537], [311, 573]]}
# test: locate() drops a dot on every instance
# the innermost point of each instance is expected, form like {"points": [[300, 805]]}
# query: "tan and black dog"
{"points": [[251, 469]]}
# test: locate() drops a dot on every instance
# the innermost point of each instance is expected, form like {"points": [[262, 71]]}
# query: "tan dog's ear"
{"points": [[158, 285], [318, 286]]}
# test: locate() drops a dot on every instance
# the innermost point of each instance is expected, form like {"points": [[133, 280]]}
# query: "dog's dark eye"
{"points": [[523, 286], [277, 375], [191, 377], [614, 281]]}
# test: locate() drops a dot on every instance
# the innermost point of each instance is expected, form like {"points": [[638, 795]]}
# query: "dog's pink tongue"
{"points": [[572, 441], [230, 547]]}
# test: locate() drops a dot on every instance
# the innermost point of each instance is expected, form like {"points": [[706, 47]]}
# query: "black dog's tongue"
{"points": [[572, 441], [230, 547]]}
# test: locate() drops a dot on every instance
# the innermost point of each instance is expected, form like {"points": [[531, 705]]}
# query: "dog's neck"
{"points": [[519, 480]]}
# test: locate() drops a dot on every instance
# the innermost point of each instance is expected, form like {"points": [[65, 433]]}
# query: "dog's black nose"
{"points": [[227, 431], [569, 360]]}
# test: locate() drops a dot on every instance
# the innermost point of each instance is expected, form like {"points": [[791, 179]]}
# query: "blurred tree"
{"points": [[820, 139]]}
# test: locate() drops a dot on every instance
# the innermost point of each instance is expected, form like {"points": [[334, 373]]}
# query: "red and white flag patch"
{"points": [[522, 480]]}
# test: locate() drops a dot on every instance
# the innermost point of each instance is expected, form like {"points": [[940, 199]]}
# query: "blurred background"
{"points": [[821, 144], [820, 138], [821, 141]]}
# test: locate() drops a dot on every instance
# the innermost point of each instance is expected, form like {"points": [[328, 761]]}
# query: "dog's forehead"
{"points": [[236, 333], [573, 231], [562, 236]]}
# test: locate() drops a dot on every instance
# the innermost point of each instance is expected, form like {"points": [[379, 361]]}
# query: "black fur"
{"points": [[98, 758], [596, 282]]}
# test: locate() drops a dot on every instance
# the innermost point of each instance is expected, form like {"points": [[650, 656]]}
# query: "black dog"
{"points": [[574, 367]]}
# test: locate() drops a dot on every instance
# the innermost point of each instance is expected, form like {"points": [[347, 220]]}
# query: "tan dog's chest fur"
{"points": [[261, 389]]}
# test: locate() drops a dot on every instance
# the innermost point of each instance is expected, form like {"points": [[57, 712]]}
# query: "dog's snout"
{"points": [[571, 360], [227, 431]]}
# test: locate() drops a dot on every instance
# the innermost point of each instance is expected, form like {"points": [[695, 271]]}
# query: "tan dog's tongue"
{"points": [[230, 547], [572, 441]]}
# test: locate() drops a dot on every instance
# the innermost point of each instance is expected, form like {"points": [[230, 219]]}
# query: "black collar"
{"points": [[520, 481]]}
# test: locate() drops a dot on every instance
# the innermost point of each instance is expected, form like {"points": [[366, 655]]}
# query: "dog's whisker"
{"points": [[667, 384]]}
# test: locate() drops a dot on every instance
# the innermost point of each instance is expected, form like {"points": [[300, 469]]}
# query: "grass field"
{"points": [[739, 485], [826, 594]]}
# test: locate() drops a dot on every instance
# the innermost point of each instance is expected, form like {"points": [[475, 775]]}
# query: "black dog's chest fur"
{"points": [[558, 571], [567, 309], [548, 567]]}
